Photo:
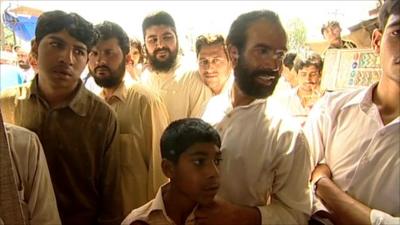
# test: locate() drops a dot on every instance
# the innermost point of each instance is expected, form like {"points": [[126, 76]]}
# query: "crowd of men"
{"points": [[270, 147]]}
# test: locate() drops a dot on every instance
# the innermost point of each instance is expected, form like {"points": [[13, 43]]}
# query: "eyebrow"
{"points": [[81, 47], [269, 47]]}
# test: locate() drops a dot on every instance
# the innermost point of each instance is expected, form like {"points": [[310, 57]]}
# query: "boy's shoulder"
{"points": [[140, 214]]}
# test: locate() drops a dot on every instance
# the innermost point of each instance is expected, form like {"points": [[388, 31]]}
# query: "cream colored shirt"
{"points": [[142, 118], [346, 132], [283, 86], [35, 190], [288, 103], [181, 89], [266, 162], [154, 213]]}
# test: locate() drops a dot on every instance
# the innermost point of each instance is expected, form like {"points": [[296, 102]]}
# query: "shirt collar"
{"points": [[119, 94], [78, 104], [363, 99]]}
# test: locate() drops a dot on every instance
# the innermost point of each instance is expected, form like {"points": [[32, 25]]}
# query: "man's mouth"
{"points": [[265, 80]]}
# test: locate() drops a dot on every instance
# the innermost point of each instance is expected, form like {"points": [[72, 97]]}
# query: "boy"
{"points": [[191, 155]]}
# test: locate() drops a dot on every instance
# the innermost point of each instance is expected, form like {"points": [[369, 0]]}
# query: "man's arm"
{"points": [[345, 209], [199, 95]]}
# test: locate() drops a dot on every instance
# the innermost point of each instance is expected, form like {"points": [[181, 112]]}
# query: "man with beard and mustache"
{"points": [[180, 88], [78, 130], [24, 65], [266, 164], [354, 140], [141, 115], [297, 102]]}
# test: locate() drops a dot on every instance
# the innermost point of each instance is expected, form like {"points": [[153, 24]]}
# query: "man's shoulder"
{"points": [[15, 92], [338, 99], [140, 92], [96, 104]]}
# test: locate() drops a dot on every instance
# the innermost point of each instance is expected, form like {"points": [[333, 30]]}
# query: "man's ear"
{"points": [[34, 49], [168, 168], [376, 41], [233, 54]]}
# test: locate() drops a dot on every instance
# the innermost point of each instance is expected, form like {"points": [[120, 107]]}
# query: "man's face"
{"points": [[259, 64], [196, 175], [309, 78], [387, 45], [214, 67], [23, 59], [135, 55], [61, 59], [107, 63], [161, 47], [332, 34]]}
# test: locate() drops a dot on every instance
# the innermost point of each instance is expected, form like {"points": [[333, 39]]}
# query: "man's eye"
{"points": [[396, 33], [152, 40], [217, 161], [198, 162], [79, 52], [55, 44]]}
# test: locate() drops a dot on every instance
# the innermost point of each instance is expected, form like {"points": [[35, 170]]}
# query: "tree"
{"points": [[297, 34]]}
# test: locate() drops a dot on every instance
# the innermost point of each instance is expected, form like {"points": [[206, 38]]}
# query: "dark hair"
{"points": [[388, 8], [238, 32], [210, 39], [158, 18], [328, 24], [312, 59], [74, 24], [135, 43], [183, 133], [288, 60], [108, 30]]}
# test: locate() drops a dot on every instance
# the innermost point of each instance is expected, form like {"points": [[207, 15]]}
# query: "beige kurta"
{"points": [[142, 118], [181, 89], [80, 141], [35, 190]]}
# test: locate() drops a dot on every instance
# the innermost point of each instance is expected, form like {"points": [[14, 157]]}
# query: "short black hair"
{"points": [[288, 60], [238, 32], [57, 20], [208, 40], [388, 8], [158, 18], [135, 43], [331, 23], [311, 59], [183, 133], [108, 30]]}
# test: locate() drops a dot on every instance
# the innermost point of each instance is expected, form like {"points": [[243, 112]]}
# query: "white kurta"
{"points": [[266, 162], [346, 132], [181, 89]]}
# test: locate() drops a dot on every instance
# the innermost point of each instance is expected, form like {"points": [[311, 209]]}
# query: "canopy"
{"points": [[22, 21]]}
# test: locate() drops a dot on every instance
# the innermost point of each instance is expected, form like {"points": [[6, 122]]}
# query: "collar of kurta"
{"points": [[78, 104], [119, 94], [363, 99]]}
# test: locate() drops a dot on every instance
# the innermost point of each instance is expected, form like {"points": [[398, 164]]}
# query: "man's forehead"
{"points": [[268, 33], [66, 37], [157, 29]]}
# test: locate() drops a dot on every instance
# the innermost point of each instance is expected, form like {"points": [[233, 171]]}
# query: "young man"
{"points": [[191, 155], [266, 162], [141, 115], [79, 132], [355, 143], [181, 89], [331, 32], [288, 80], [298, 101], [215, 68]]}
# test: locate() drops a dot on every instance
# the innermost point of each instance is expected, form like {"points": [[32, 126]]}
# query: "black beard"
{"points": [[245, 78], [24, 66], [162, 66], [113, 80]]}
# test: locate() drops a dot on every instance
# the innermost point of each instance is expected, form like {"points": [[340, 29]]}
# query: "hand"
{"points": [[321, 170]]}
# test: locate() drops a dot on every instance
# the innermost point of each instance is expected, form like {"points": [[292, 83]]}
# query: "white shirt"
{"points": [[346, 132], [289, 103], [182, 91], [282, 86], [266, 162]]}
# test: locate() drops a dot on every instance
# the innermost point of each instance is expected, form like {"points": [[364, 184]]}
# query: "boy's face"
{"points": [[196, 174], [61, 59]]}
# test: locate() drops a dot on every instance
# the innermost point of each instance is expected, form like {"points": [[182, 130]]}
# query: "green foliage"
{"points": [[297, 34]]}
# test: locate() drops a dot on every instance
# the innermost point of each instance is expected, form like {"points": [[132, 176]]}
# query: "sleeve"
{"points": [[42, 201], [154, 121], [290, 200], [110, 204], [199, 95], [381, 218]]}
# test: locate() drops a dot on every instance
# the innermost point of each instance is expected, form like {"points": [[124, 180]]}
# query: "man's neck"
{"points": [[239, 98], [55, 96], [177, 206], [108, 92], [386, 98]]}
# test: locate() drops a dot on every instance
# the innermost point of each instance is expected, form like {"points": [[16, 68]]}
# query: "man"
{"points": [[24, 65], [79, 132], [298, 101], [141, 115], [331, 32], [10, 75], [29, 167], [214, 65], [266, 164], [288, 80], [181, 89], [354, 140]]}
